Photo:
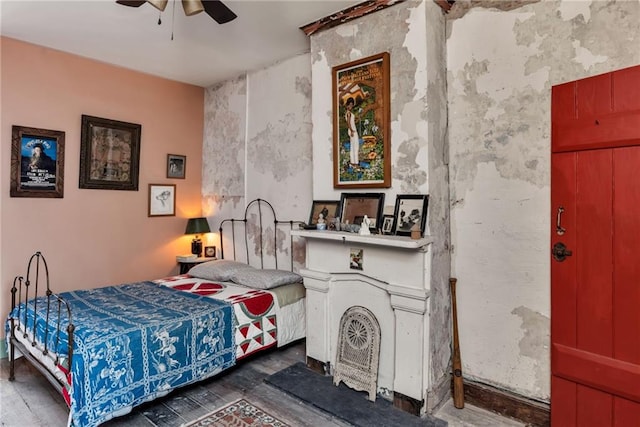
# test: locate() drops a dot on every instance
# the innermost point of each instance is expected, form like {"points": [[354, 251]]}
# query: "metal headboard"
{"points": [[265, 214]]}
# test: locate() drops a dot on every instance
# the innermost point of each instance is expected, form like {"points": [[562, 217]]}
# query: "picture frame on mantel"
{"points": [[410, 214], [37, 162], [109, 154], [361, 123], [354, 206]]}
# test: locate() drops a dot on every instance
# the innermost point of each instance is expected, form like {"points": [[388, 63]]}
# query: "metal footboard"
{"points": [[22, 297]]}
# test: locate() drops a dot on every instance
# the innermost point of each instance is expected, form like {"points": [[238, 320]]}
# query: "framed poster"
{"points": [[176, 166], [410, 214], [361, 123], [109, 154], [162, 199], [37, 162]]}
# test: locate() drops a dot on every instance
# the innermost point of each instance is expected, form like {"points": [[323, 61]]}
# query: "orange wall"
{"points": [[95, 237]]}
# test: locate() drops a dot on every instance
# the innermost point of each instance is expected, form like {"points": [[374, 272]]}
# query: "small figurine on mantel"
{"points": [[322, 223], [364, 226]]}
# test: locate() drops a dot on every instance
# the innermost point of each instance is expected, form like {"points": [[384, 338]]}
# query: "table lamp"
{"points": [[197, 226]]}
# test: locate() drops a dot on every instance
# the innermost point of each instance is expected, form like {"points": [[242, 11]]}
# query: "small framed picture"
{"points": [[176, 166], [162, 199], [328, 209], [355, 258], [354, 207], [210, 251], [410, 214], [387, 224]]}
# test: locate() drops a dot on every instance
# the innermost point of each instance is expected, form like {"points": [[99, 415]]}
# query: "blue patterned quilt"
{"points": [[135, 342]]}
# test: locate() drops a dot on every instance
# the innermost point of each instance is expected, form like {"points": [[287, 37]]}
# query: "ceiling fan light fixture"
{"points": [[192, 7], [159, 4]]}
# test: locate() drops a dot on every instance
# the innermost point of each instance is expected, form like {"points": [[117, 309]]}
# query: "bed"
{"points": [[110, 349]]}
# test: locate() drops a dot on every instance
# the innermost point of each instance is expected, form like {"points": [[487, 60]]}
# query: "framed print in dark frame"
{"points": [[354, 206], [109, 154], [328, 208], [361, 123], [176, 166], [387, 224], [410, 210], [162, 200], [37, 162]]}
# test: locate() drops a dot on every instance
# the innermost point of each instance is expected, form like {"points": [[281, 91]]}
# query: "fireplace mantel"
{"points": [[373, 239], [393, 282]]}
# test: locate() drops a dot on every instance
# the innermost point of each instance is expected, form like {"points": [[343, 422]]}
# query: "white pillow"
{"points": [[218, 270], [265, 279]]}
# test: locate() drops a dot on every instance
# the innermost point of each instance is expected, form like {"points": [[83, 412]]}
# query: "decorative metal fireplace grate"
{"points": [[358, 351]]}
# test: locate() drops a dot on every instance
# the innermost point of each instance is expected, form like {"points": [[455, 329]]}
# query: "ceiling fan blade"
{"points": [[218, 11], [132, 3]]}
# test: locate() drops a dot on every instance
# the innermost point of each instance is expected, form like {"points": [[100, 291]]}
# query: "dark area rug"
{"points": [[342, 402]]}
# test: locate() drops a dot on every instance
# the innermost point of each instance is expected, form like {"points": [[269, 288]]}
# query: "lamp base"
{"points": [[196, 247]]}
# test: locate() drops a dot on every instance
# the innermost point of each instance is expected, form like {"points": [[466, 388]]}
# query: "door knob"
{"points": [[560, 252]]}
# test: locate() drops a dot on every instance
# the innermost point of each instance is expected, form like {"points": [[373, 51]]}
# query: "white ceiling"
{"points": [[202, 51]]}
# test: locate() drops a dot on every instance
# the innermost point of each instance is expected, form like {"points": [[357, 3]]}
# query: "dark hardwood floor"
{"points": [[30, 401]]}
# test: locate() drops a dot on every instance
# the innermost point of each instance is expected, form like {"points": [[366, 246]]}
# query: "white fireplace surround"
{"points": [[393, 284]]}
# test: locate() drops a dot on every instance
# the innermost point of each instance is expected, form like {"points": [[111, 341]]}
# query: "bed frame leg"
{"points": [[12, 361]]}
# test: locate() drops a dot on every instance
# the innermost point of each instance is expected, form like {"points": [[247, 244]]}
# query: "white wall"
{"points": [[501, 66], [258, 144]]}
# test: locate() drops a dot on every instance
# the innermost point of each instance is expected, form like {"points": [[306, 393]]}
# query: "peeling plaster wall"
{"points": [[413, 32], [223, 163], [501, 66], [258, 145], [279, 137]]}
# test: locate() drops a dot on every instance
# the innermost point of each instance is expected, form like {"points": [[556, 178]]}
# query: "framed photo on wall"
{"points": [[361, 123], [37, 162], [109, 154], [176, 166], [162, 199], [410, 212], [354, 206]]}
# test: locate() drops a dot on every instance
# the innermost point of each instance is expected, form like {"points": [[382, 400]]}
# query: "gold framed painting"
{"points": [[361, 123]]}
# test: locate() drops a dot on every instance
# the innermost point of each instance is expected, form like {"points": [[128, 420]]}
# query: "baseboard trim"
{"points": [[530, 412]]}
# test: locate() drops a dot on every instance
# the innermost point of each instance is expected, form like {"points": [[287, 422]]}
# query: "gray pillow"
{"points": [[265, 279], [218, 270]]}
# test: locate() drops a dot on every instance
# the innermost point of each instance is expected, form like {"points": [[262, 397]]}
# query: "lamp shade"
{"points": [[197, 226], [192, 7]]}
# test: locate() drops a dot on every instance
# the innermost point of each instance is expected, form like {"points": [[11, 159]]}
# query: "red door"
{"points": [[595, 246]]}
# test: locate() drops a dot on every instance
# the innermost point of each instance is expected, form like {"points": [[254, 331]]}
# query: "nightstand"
{"points": [[185, 266]]}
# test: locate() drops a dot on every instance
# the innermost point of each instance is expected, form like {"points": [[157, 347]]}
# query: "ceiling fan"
{"points": [[214, 8]]}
